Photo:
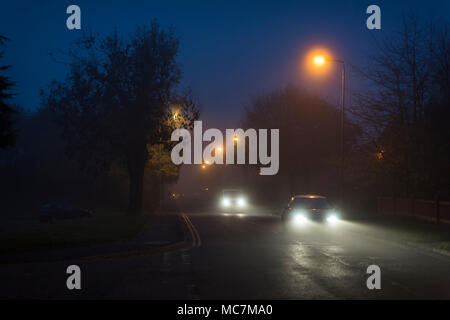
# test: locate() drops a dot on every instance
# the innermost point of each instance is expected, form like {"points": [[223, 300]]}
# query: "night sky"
{"points": [[230, 51]]}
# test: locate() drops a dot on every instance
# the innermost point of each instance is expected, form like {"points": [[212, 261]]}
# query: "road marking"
{"points": [[195, 236], [182, 245]]}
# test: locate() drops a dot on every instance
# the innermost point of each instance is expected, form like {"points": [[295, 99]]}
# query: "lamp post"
{"points": [[175, 115], [160, 176], [320, 61]]}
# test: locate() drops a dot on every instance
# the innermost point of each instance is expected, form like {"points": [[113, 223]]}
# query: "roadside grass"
{"points": [[411, 230], [101, 228]]}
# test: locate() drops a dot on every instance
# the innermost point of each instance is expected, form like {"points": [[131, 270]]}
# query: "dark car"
{"points": [[310, 207], [52, 212]]}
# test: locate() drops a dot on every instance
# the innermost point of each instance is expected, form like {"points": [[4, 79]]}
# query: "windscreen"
{"points": [[311, 203], [232, 193]]}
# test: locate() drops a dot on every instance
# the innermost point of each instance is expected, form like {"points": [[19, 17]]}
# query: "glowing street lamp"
{"points": [[319, 61]]}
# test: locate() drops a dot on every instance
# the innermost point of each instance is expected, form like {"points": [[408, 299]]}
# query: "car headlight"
{"points": [[332, 217], [241, 202], [299, 217], [226, 202]]}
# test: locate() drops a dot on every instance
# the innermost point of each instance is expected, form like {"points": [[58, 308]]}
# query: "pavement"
{"points": [[215, 256]]}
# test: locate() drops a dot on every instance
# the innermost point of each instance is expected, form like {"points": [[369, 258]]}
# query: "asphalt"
{"points": [[247, 257]]}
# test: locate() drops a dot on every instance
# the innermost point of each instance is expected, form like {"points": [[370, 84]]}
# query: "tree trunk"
{"points": [[136, 168]]}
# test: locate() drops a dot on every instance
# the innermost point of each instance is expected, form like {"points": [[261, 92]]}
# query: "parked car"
{"points": [[51, 212]]}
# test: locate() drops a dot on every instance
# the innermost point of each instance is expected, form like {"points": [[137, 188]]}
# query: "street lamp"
{"points": [[319, 61]]}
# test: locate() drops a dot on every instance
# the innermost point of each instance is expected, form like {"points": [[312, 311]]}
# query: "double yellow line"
{"points": [[194, 235], [193, 240]]}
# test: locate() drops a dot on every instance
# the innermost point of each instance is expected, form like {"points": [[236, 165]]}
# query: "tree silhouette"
{"points": [[7, 135], [309, 139], [118, 100], [405, 111]]}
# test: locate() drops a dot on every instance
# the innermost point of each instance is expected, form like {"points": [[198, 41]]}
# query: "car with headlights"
{"points": [[309, 207], [233, 200]]}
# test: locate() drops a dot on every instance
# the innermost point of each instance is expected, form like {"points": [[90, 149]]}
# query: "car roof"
{"points": [[309, 196]]}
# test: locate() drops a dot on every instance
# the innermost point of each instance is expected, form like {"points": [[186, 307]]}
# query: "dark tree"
{"points": [[7, 135], [118, 100], [406, 110], [309, 139]]}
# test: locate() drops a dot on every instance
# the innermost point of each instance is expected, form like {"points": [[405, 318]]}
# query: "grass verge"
{"points": [[99, 229]]}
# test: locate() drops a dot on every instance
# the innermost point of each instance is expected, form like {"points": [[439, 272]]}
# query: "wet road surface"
{"points": [[248, 257]]}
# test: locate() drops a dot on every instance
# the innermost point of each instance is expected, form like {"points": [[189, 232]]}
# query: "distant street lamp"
{"points": [[319, 61]]}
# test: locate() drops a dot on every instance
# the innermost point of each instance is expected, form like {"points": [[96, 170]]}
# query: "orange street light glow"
{"points": [[236, 139], [319, 61], [315, 61]]}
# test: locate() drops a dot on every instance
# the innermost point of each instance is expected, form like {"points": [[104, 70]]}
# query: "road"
{"points": [[248, 257]]}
